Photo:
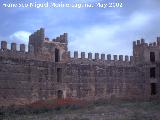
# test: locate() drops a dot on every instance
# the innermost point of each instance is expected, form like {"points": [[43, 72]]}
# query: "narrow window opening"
{"points": [[152, 56], [152, 72], [56, 55], [153, 89], [60, 94], [59, 74]]}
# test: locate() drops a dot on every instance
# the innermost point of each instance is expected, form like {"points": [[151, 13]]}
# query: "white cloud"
{"points": [[113, 38], [114, 15], [94, 38], [139, 20], [20, 37]]}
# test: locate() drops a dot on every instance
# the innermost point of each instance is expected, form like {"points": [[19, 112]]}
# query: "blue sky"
{"points": [[102, 30]]}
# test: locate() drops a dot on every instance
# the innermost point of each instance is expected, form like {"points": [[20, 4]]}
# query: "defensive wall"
{"points": [[46, 70]]}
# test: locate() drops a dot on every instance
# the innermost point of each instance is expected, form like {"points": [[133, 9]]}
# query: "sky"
{"points": [[106, 30]]}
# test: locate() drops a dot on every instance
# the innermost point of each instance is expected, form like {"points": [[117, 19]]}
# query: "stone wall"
{"points": [[25, 81], [29, 76]]}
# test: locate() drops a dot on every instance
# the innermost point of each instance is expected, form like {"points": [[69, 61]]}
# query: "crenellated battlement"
{"points": [[98, 58], [19, 51], [57, 50], [141, 42], [39, 47], [14, 47], [142, 51], [61, 38]]}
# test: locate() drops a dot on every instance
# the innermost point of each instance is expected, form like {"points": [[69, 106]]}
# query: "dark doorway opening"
{"points": [[60, 94], [152, 72], [152, 56], [56, 55], [59, 74], [153, 88]]}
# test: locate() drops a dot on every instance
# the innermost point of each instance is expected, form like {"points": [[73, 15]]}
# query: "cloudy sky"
{"points": [[103, 30]]}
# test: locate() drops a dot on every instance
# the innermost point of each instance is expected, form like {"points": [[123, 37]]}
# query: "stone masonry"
{"points": [[47, 71]]}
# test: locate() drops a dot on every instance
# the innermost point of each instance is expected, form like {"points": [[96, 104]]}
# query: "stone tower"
{"points": [[148, 57], [35, 41]]}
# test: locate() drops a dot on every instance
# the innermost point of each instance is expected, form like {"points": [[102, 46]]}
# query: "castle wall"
{"points": [[26, 81], [95, 81], [15, 85], [47, 71]]}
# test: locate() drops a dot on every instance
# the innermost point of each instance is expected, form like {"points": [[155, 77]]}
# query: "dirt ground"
{"points": [[98, 111]]}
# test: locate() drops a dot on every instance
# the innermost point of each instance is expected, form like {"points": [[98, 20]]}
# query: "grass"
{"points": [[99, 110]]}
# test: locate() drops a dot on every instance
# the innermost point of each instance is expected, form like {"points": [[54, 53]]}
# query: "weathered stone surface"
{"points": [[47, 68]]}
